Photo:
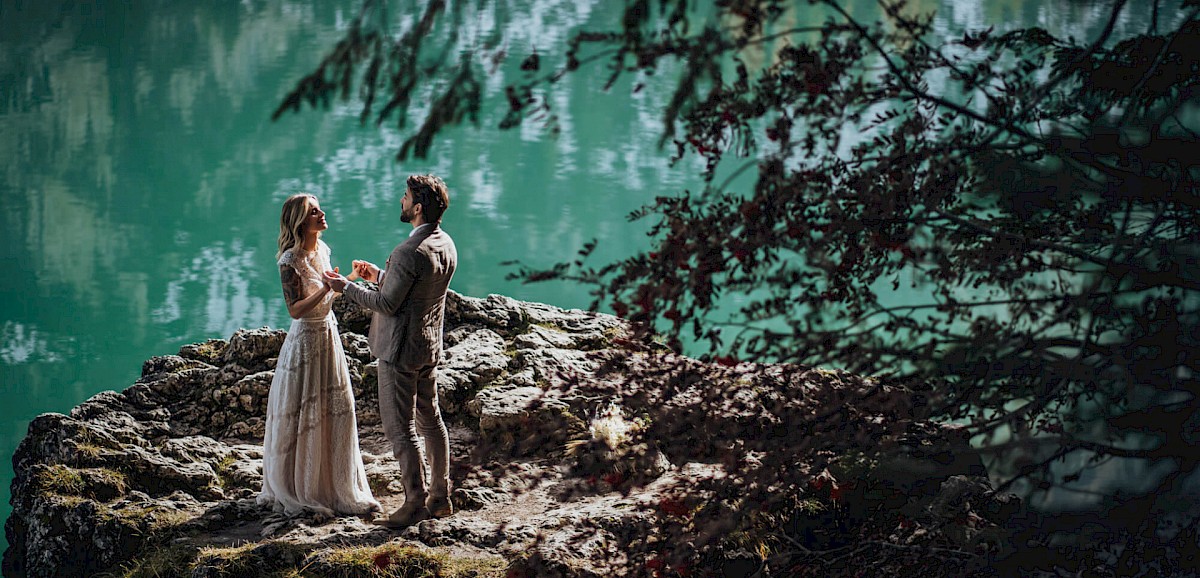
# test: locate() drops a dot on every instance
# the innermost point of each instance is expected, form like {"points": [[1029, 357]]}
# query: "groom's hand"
{"points": [[335, 281], [367, 270]]}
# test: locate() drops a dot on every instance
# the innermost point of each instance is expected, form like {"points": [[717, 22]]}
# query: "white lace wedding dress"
{"points": [[311, 459]]}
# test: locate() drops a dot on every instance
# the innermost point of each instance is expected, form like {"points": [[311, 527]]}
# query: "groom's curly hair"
{"points": [[432, 195]]}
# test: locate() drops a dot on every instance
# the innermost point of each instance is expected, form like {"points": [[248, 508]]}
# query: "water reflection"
{"points": [[137, 165], [20, 344], [141, 178], [481, 189], [223, 275]]}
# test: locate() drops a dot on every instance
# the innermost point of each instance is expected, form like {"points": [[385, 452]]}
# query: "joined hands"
{"points": [[364, 269]]}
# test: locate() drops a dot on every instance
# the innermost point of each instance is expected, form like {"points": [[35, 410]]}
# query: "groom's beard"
{"points": [[406, 216]]}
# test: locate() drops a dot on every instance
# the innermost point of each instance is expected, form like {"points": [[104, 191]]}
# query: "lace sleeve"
{"points": [[287, 258]]}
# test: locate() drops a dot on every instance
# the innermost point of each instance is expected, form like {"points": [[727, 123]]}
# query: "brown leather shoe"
{"points": [[439, 507], [407, 516]]}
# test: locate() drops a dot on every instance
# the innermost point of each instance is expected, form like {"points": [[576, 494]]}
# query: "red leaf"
{"points": [[644, 301], [836, 492], [673, 506], [620, 309]]}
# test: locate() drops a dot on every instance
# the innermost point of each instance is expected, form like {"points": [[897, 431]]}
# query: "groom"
{"points": [[406, 336]]}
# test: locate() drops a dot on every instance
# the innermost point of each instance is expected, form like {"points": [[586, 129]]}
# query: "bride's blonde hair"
{"points": [[291, 222]]}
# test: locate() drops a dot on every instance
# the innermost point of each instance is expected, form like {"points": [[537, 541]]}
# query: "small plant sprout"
{"points": [[611, 427]]}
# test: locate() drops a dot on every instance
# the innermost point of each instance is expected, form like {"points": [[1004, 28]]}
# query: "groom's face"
{"points": [[406, 207]]}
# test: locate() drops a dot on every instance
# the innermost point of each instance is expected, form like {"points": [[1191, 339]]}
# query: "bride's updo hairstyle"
{"points": [[291, 222]]}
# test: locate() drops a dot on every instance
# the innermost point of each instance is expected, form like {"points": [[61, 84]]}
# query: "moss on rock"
{"points": [[209, 352], [254, 560], [280, 559], [101, 484], [397, 560], [174, 561]]}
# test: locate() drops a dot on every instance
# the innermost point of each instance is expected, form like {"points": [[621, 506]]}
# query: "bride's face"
{"points": [[315, 220]]}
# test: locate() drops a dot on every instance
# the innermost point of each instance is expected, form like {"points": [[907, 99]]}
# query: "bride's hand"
{"points": [[325, 279], [334, 281]]}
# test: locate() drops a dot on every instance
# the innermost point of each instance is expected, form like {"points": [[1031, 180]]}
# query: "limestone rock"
{"points": [[523, 419], [496, 311], [165, 364], [209, 352], [175, 459], [252, 348], [351, 317], [476, 359], [554, 367]]}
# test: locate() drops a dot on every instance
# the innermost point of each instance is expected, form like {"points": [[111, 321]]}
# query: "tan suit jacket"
{"points": [[410, 301]]}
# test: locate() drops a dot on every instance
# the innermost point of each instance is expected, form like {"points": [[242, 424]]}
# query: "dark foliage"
{"points": [[1040, 192]]}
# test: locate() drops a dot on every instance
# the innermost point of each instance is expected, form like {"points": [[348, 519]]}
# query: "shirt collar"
{"points": [[420, 228]]}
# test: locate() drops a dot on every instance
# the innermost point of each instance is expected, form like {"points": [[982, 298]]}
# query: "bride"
{"points": [[311, 459]]}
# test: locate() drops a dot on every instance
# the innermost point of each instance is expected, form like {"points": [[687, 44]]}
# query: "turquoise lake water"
{"points": [[141, 176]]}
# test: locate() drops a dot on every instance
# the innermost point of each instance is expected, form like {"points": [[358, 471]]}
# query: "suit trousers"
{"points": [[408, 407]]}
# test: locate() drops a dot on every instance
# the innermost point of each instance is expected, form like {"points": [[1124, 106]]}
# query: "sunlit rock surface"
{"points": [[549, 476]]}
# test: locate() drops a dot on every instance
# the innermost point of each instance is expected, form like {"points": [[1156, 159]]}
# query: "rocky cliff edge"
{"points": [[576, 451]]}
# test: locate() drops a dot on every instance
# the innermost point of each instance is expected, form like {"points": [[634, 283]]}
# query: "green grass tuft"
{"points": [[396, 561], [88, 450], [272, 559], [61, 480], [224, 471], [168, 562], [279, 559]]}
